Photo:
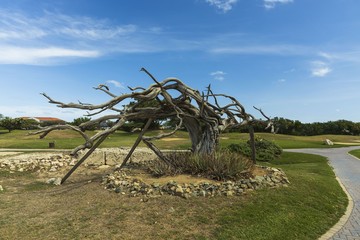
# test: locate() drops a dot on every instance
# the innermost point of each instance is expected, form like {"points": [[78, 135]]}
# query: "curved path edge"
{"points": [[342, 221], [348, 226]]}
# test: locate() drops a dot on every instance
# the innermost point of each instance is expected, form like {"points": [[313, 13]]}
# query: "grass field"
{"points": [[66, 139], [80, 209], [356, 153]]}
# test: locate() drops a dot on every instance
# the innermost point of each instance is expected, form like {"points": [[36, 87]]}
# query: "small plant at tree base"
{"points": [[265, 150], [221, 165]]}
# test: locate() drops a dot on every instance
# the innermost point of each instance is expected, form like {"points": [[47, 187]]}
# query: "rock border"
{"points": [[125, 184]]}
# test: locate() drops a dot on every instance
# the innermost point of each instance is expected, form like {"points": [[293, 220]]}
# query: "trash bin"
{"points": [[51, 144]]}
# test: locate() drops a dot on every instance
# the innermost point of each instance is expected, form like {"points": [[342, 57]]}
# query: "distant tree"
{"points": [[171, 123], [140, 122], [11, 123], [29, 124], [81, 120]]}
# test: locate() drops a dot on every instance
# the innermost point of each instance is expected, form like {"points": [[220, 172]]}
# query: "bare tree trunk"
{"points": [[204, 139]]}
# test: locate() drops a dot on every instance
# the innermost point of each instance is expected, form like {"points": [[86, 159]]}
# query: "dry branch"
{"points": [[201, 114]]}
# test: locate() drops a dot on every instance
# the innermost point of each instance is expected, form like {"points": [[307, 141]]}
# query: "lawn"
{"points": [[312, 204], [81, 208], [356, 153], [66, 139]]}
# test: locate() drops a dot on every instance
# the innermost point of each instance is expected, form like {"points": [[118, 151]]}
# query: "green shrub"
{"points": [[221, 165], [265, 150]]}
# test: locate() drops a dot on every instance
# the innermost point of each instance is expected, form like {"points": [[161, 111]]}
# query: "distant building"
{"points": [[46, 120]]}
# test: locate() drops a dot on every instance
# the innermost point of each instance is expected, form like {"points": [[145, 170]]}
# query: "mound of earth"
{"points": [[134, 180]]}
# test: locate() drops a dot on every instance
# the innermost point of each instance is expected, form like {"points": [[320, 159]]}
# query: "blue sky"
{"points": [[298, 59]]}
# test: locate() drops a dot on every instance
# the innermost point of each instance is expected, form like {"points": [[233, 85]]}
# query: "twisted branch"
{"points": [[200, 113]]}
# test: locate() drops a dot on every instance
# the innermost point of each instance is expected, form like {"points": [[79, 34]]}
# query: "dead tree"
{"points": [[200, 113]]}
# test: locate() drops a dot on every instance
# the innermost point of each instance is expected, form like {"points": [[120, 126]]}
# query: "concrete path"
{"points": [[347, 169]]}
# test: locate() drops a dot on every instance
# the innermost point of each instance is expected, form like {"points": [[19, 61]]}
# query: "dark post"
{"points": [[252, 144]]}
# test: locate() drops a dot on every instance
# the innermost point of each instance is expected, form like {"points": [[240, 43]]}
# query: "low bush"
{"points": [[265, 150], [221, 165]]}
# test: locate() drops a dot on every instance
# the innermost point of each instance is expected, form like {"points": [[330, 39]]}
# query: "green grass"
{"points": [[37, 186], [356, 153], [290, 141], [306, 209], [311, 204], [6, 174], [66, 139]]}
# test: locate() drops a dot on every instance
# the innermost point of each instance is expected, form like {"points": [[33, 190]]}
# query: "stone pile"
{"points": [[37, 162], [122, 182]]}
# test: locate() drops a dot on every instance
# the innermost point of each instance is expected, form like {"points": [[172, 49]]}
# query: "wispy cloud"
{"points": [[222, 5], [115, 83], [45, 55], [270, 4], [263, 50], [52, 38], [282, 80], [291, 70], [15, 25], [320, 69], [352, 56], [218, 75]]}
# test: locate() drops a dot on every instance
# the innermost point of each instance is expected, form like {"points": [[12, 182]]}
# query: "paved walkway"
{"points": [[347, 169]]}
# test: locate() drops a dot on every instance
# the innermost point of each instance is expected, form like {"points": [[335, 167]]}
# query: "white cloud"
{"points": [[52, 36], [17, 26], [282, 80], [352, 56], [291, 70], [321, 72], [269, 4], [320, 69], [218, 75], [223, 5], [116, 83], [263, 49], [40, 56], [81, 27]]}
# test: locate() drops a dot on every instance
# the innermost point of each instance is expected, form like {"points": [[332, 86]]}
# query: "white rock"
{"points": [[53, 169], [55, 181], [73, 162], [1, 188], [103, 166], [328, 142]]}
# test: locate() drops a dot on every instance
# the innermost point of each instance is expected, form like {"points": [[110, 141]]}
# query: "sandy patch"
{"points": [[8, 153], [172, 139], [348, 143]]}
